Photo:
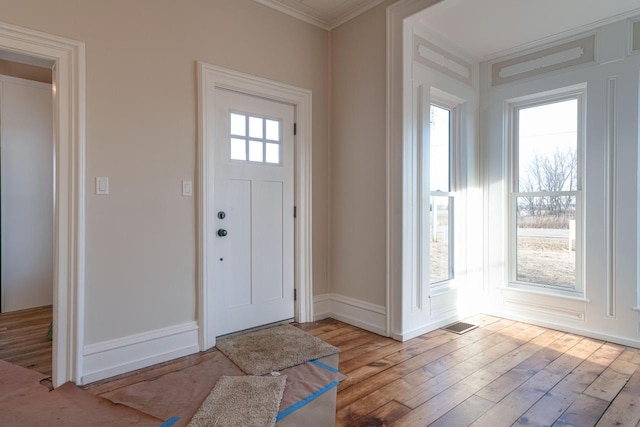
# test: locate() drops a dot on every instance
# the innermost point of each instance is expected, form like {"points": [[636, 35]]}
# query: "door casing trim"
{"points": [[211, 77], [69, 91]]}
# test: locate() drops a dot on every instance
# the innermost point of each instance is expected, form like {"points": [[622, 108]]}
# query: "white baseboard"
{"points": [[321, 306], [108, 358], [362, 314], [585, 332], [406, 336]]}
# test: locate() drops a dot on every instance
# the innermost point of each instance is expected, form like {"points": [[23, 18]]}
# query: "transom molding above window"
{"points": [[541, 61], [432, 56]]}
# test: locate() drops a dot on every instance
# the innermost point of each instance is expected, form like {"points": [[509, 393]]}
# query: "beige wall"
{"points": [[141, 133], [357, 159]]}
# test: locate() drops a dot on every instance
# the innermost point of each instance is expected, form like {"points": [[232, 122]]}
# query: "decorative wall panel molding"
{"points": [[610, 194], [434, 57], [541, 309], [444, 304], [635, 37], [569, 54]]}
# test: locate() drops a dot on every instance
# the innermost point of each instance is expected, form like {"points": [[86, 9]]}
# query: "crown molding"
{"points": [[325, 24]]}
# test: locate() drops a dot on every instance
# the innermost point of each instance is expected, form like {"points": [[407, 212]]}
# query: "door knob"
{"points": [[222, 232]]}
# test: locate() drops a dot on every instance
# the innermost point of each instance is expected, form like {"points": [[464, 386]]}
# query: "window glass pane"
{"points": [[255, 151], [545, 249], [440, 244], [440, 143], [255, 127], [238, 124], [238, 149], [273, 153], [273, 130], [548, 147]]}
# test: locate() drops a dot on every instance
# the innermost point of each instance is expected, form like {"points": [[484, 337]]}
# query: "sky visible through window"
{"points": [[439, 145], [545, 130]]}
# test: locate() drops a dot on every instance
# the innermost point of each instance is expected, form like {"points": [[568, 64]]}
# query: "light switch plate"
{"points": [[187, 188], [102, 185]]}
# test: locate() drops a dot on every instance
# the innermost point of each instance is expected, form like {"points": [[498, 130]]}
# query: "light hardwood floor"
{"points": [[23, 338], [503, 373]]}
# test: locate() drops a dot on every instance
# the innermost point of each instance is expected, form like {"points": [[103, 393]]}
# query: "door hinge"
{"points": [[295, 128], [295, 211], [295, 294]]}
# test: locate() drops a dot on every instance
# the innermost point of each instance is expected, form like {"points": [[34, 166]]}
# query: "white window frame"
{"points": [[442, 100], [263, 140], [575, 92]]}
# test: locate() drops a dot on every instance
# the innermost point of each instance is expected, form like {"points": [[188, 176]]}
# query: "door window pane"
{"points": [[238, 149], [256, 127], [273, 130], [272, 153], [255, 151], [238, 124]]}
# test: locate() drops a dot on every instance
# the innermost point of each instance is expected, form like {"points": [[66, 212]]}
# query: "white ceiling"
{"points": [[485, 28], [326, 14]]}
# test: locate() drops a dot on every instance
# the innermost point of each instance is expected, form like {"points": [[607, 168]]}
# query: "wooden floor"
{"points": [[500, 374], [23, 338], [503, 373]]}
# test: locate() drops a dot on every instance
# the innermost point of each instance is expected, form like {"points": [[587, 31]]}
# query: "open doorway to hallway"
{"points": [[27, 171]]}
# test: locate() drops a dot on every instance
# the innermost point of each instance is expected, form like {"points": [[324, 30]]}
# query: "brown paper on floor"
{"points": [[179, 393], [18, 381], [182, 392], [69, 406], [304, 380]]}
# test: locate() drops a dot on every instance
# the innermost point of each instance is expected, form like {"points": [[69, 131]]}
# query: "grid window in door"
{"points": [[440, 195], [255, 139]]}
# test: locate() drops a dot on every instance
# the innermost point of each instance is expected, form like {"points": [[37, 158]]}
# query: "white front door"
{"points": [[252, 213]]}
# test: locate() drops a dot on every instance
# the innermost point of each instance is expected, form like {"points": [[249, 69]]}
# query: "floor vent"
{"points": [[460, 328]]}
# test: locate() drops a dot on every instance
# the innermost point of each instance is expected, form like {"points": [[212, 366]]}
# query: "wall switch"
{"points": [[102, 185], [187, 188]]}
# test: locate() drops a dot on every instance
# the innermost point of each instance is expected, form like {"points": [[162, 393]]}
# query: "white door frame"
{"points": [[211, 77], [68, 59]]}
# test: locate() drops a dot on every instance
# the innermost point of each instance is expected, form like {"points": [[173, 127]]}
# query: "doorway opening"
{"points": [[26, 212], [67, 60]]}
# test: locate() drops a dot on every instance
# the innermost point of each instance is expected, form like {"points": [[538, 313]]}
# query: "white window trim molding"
{"points": [[402, 252], [578, 92], [211, 77], [69, 91]]}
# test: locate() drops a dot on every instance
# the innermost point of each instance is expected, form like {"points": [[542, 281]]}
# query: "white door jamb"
{"points": [[68, 59], [209, 78]]}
